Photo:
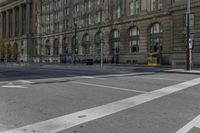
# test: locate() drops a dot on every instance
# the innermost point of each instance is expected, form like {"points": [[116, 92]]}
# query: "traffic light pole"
{"points": [[189, 48], [75, 43], [102, 54]]}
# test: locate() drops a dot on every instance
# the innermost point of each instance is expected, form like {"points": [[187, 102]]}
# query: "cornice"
{"points": [[184, 6], [12, 3]]}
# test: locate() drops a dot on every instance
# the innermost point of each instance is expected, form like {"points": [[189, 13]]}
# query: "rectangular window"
{"points": [[134, 7], [66, 12], [77, 8], [116, 13], [99, 16], [156, 5], [119, 12], [89, 19]]}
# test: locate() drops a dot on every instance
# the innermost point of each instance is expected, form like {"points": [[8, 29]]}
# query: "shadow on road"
{"points": [[31, 73]]}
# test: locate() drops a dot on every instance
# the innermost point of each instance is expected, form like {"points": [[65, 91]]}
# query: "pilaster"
{"points": [[7, 23], [28, 14], [13, 21], [20, 20], [1, 25]]}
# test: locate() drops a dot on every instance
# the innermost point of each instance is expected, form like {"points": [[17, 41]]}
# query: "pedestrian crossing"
{"points": [[70, 120]]}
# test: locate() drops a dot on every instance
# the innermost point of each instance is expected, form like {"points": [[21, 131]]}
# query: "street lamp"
{"points": [[102, 52], [75, 42], [100, 37], [189, 40]]}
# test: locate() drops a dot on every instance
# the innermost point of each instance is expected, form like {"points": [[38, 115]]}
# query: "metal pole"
{"points": [[188, 67], [75, 42], [101, 54]]}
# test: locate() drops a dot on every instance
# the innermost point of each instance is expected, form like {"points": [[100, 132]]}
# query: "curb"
{"points": [[182, 72]]}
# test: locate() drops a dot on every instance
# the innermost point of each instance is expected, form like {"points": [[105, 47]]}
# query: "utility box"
{"points": [[178, 64]]}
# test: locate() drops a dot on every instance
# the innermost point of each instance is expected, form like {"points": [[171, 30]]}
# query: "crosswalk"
{"points": [[70, 120]]}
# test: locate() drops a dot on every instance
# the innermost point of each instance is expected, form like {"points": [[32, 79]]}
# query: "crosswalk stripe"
{"points": [[194, 123], [67, 121], [109, 87]]}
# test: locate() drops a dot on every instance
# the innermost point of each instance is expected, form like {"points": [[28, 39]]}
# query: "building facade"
{"points": [[50, 30], [15, 29]]}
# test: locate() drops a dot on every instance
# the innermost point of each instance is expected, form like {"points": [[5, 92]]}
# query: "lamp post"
{"points": [[75, 42], [189, 41], [102, 51]]}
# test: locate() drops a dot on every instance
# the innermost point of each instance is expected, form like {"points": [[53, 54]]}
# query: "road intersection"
{"points": [[70, 102]]}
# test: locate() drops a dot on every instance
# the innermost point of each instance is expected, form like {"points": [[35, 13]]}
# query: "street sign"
{"points": [[190, 43], [191, 19]]}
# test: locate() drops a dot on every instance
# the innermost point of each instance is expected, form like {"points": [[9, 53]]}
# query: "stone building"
{"points": [[44, 30], [15, 29]]}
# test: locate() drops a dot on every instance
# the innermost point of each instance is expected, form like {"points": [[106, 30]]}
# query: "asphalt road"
{"points": [[71, 100]]}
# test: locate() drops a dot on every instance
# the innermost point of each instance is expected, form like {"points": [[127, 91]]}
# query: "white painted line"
{"points": [[50, 79], [11, 85], [135, 75], [74, 77], [123, 75], [25, 81], [67, 121], [194, 123], [160, 78], [14, 86], [109, 87]]}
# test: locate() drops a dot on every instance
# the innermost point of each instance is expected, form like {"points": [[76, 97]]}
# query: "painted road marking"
{"points": [[50, 79], [25, 81], [181, 80], [194, 123], [14, 86], [109, 87], [135, 75], [11, 85], [67, 121], [75, 77], [123, 75]]}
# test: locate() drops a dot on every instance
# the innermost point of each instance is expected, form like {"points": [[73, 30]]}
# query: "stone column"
{"points": [[28, 14], [20, 20], [7, 23], [13, 22]]}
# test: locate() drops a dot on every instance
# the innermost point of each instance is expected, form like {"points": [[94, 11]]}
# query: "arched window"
{"points": [[86, 44], [134, 39], [65, 49], [98, 41], [156, 39], [15, 51], [56, 47], [47, 48], [115, 41], [74, 45]]}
